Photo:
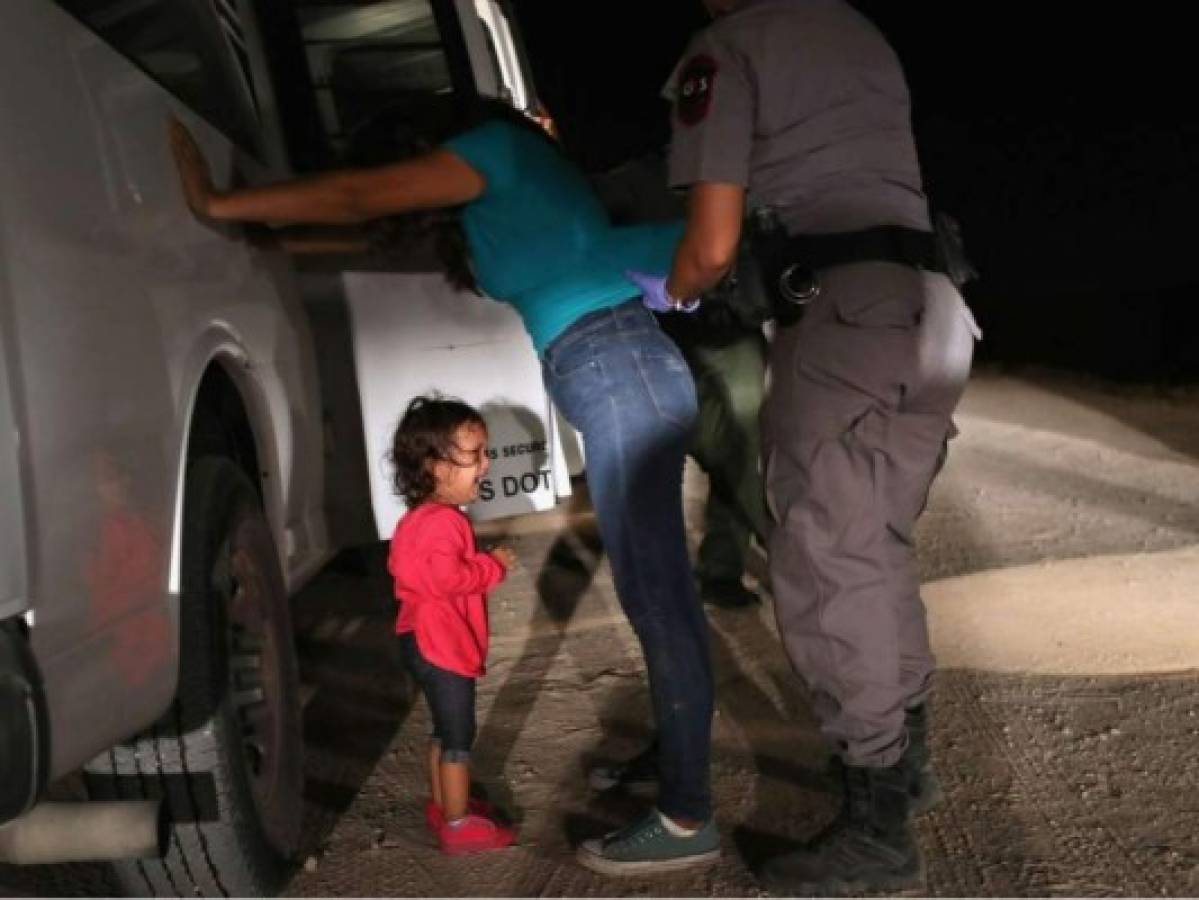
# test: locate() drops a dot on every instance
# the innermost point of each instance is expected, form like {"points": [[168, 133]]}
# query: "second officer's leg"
{"points": [[730, 381]]}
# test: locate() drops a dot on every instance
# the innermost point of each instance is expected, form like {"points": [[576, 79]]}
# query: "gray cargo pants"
{"points": [[855, 424]]}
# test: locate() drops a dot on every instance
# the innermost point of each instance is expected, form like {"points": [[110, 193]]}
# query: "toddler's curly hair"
{"points": [[426, 434]]}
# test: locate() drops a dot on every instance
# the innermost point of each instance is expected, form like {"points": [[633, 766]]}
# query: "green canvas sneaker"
{"points": [[646, 848]]}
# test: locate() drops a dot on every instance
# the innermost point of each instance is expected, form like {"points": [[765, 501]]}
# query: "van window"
{"points": [[367, 56], [196, 51]]}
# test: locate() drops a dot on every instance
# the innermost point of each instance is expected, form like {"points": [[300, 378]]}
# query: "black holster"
{"points": [[789, 266]]}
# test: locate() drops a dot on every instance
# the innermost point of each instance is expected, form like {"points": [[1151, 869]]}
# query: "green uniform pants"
{"points": [[730, 382]]}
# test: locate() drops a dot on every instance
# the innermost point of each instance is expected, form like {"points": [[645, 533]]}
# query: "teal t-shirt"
{"points": [[539, 238]]}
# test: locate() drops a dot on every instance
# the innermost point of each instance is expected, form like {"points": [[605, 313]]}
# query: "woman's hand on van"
{"points": [[193, 168]]}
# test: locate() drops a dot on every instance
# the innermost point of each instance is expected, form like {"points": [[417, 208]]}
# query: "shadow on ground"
{"points": [[357, 690]]}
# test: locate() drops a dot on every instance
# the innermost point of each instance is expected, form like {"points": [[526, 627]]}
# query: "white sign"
{"points": [[413, 334]]}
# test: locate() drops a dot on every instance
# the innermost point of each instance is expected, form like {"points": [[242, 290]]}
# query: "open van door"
{"points": [[496, 54], [412, 333]]}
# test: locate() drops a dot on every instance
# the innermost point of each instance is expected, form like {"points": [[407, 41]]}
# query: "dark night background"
{"points": [[1065, 139]]}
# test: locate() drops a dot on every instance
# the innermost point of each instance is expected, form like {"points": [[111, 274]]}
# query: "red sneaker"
{"points": [[435, 818], [473, 834]]}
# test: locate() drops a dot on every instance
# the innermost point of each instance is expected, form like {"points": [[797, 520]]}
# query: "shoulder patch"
{"points": [[693, 94]]}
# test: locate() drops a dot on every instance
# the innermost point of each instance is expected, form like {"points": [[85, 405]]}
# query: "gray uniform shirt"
{"points": [[804, 104]]}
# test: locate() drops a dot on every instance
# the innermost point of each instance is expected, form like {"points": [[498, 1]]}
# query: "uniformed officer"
{"points": [[798, 110]]}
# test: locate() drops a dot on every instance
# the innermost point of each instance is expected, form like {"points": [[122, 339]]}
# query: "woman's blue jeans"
{"points": [[625, 387]]}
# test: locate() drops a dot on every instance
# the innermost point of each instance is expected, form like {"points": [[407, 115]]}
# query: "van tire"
{"points": [[227, 757]]}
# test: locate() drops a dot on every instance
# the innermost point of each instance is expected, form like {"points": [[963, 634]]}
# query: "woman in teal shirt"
{"points": [[539, 239]]}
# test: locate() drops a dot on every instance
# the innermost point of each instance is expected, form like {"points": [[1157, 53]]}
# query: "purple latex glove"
{"points": [[655, 296]]}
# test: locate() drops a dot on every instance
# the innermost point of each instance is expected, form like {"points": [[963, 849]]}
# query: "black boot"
{"points": [[727, 594], [638, 775], [924, 788], [868, 847]]}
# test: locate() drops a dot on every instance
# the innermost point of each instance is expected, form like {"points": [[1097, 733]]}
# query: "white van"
{"points": [[161, 453]]}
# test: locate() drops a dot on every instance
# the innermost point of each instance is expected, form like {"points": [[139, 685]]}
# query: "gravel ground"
{"points": [[1059, 548], [1059, 551]]}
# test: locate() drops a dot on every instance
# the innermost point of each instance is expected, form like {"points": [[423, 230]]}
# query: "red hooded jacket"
{"points": [[441, 582]]}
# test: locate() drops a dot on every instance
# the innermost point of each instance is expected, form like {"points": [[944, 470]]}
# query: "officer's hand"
{"points": [[655, 296]]}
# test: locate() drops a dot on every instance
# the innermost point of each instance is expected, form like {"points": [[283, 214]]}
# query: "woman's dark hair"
{"points": [[407, 128], [425, 435]]}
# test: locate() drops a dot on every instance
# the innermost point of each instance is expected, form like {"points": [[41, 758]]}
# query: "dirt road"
{"points": [[1060, 552]]}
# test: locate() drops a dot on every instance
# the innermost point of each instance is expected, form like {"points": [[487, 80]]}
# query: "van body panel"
{"points": [[116, 300]]}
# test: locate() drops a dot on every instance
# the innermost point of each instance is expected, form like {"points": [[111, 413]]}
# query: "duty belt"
{"points": [[790, 264]]}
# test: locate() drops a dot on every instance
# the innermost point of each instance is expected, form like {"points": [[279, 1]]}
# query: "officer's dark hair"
{"points": [[406, 128], [424, 436]]}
